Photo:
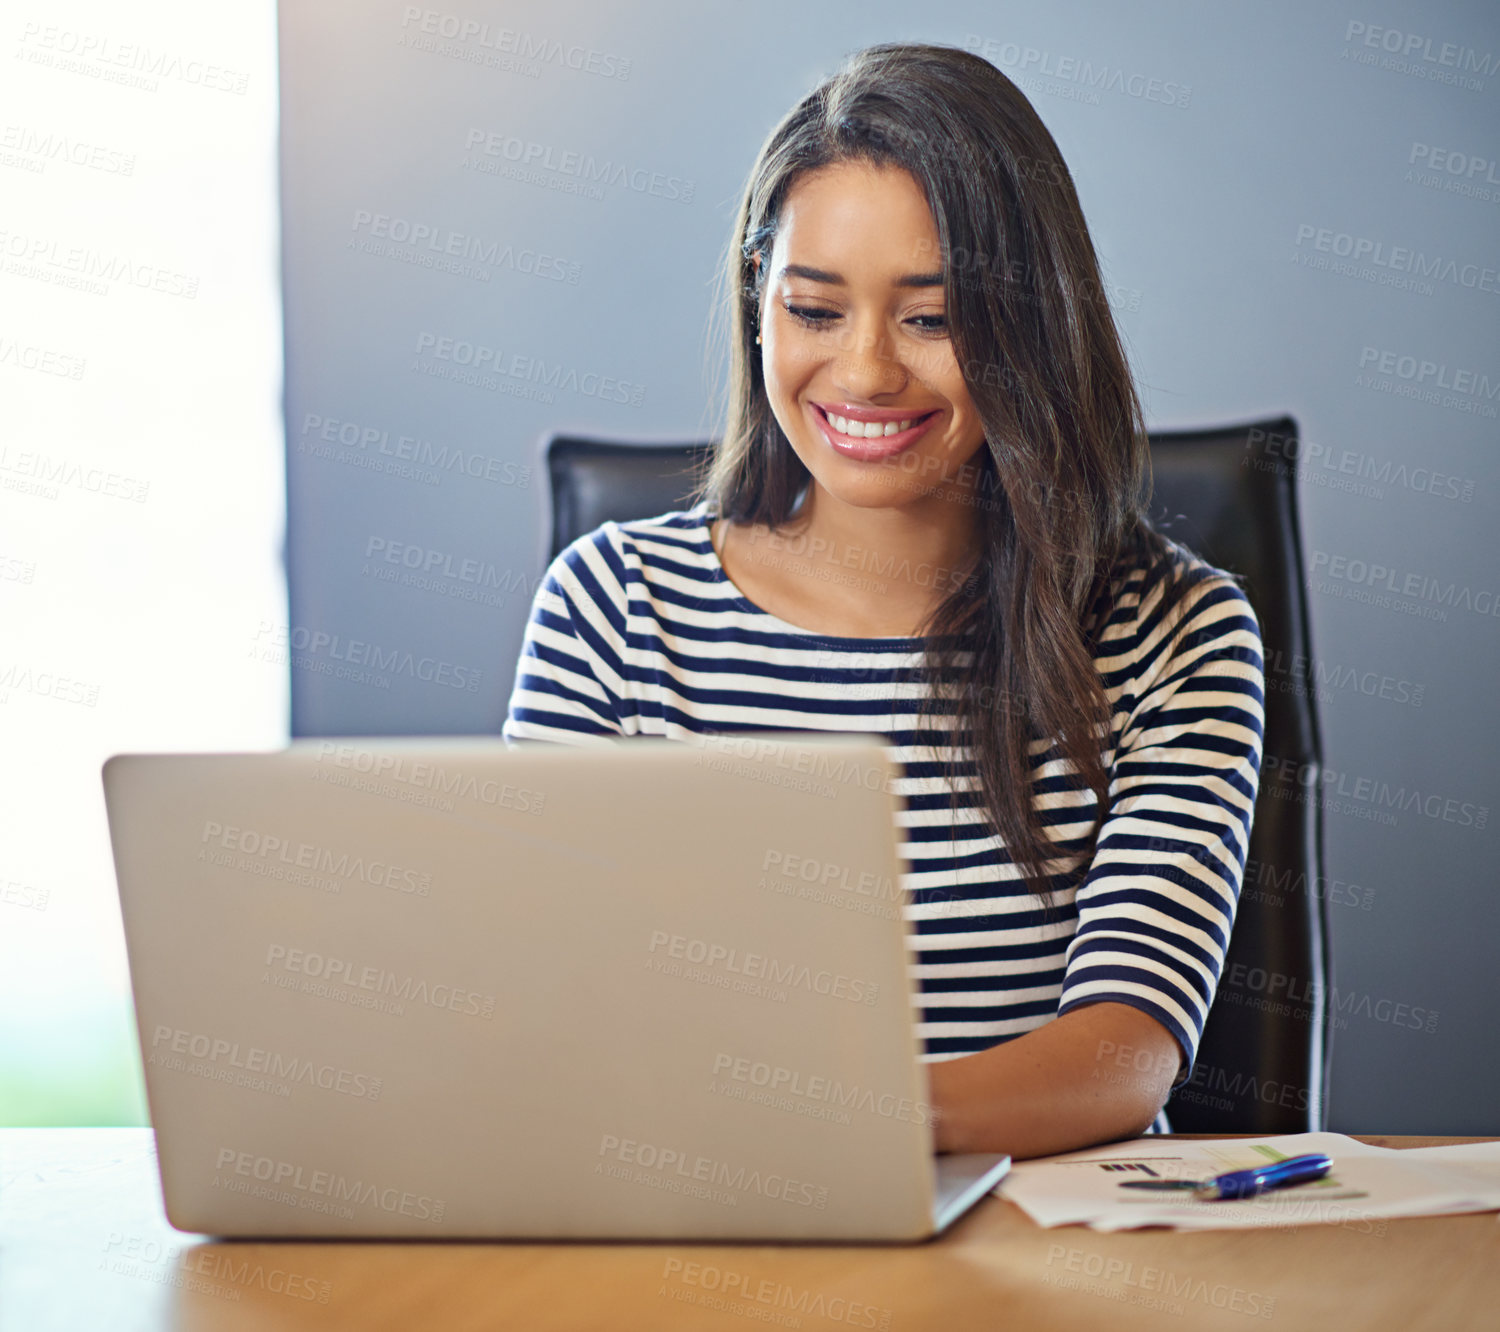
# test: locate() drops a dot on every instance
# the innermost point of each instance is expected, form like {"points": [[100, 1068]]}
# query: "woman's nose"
{"points": [[867, 364]]}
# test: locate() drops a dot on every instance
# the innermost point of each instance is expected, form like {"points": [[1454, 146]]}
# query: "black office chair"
{"points": [[598, 481], [1231, 496]]}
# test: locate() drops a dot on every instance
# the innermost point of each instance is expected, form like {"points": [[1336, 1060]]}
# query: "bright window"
{"points": [[141, 480]]}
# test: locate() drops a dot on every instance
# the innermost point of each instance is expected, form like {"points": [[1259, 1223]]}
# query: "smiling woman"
{"points": [[926, 521]]}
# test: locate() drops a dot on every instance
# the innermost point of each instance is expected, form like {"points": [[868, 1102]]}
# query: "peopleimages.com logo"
{"points": [[320, 1190], [1390, 587], [781, 1082], [355, 659], [525, 46], [320, 972], [233, 1059], [41, 360], [689, 1167], [260, 853], [752, 968], [489, 150], [1418, 55]]}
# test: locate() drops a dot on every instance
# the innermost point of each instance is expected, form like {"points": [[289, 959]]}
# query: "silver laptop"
{"points": [[442, 989]]}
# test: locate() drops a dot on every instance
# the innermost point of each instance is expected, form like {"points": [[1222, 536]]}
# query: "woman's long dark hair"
{"points": [[1064, 476]]}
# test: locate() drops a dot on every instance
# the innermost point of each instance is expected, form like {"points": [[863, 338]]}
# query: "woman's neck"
{"points": [[853, 572], [938, 535]]}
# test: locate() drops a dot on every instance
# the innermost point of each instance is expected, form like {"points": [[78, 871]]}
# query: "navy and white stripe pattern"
{"points": [[636, 630]]}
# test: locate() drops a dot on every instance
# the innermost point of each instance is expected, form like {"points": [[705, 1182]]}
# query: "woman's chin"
{"points": [[886, 486], [873, 495]]}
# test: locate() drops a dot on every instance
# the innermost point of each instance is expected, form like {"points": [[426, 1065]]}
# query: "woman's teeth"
{"points": [[869, 429]]}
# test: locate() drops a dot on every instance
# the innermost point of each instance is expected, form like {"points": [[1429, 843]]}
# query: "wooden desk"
{"points": [[84, 1245]]}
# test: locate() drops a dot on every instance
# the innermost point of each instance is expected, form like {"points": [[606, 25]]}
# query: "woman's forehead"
{"points": [[856, 214]]}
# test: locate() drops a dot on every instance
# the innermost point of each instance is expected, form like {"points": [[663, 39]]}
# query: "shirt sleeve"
{"points": [[570, 681], [1157, 904]]}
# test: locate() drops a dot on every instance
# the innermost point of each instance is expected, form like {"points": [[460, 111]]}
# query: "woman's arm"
{"points": [[1154, 909], [1092, 1075]]}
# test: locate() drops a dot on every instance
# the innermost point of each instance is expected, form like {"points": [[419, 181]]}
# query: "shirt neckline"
{"points": [[706, 519]]}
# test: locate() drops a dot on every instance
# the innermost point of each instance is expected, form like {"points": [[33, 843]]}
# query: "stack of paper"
{"points": [[1366, 1186]]}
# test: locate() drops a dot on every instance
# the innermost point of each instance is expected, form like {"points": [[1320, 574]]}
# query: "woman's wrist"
{"points": [[952, 1102]]}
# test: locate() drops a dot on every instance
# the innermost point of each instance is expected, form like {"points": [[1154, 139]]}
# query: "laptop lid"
{"points": [[438, 988]]}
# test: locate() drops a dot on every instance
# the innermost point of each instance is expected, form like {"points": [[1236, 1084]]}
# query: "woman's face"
{"points": [[858, 364]]}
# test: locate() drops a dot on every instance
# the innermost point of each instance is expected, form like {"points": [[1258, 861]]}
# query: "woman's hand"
{"points": [[1096, 1074]]}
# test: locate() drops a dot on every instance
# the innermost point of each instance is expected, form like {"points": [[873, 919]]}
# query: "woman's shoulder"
{"points": [[681, 534], [1160, 594], [640, 550], [1154, 567]]}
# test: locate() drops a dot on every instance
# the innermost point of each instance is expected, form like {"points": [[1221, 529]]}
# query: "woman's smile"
{"points": [[871, 434]]}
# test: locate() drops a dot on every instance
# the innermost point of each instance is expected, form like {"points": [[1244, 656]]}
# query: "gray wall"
{"points": [[1266, 190]]}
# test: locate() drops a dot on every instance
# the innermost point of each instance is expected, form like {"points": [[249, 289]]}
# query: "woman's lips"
{"points": [[882, 446]]}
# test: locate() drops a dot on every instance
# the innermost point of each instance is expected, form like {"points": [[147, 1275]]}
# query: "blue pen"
{"points": [[1246, 1183]]}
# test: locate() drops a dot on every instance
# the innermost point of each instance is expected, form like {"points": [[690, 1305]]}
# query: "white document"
{"points": [[1480, 1160], [1367, 1185]]}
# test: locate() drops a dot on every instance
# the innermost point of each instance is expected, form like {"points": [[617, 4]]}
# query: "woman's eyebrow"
{"points": [[837, 280]]}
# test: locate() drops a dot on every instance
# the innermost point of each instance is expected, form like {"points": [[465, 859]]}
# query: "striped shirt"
{"points": [[636, 630]]}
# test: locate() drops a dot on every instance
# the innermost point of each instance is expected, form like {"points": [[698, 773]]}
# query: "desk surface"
{"points": [[84, 1244]]}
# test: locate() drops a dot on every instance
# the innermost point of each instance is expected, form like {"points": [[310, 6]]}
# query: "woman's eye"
{"points": [[816, 316], [811, 315]]}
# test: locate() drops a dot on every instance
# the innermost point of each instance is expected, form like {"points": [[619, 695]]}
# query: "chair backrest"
{"points": [[596, 481], [1230, 495]]}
